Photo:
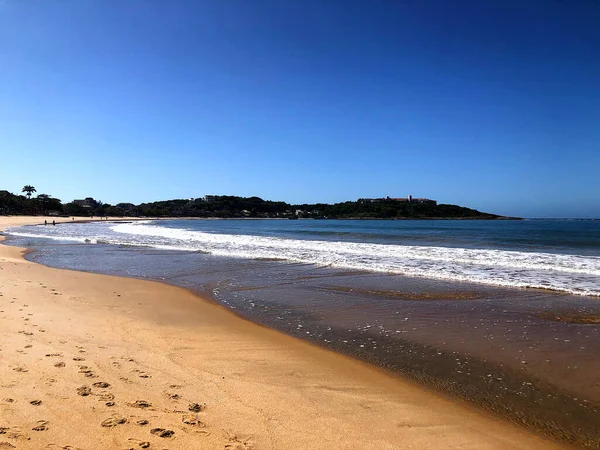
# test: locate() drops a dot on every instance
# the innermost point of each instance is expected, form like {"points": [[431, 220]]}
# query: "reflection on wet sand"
{"points": [[569, 317], [408, 295]]}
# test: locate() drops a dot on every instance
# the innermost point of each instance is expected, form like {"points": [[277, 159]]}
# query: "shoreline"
{"points": [[304, 396], [138, 218]]}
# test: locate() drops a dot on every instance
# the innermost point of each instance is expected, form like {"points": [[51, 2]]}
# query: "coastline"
{"points": [[262, 389]]}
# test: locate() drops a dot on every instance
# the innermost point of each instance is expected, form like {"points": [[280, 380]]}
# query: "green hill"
{"points": [[226, 206]]}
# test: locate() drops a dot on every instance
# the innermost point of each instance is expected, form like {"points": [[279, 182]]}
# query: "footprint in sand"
{"points": [[63, 447], [36, 402], [173, 396], [142, 422], [20, 369], [53, 354], [42, 425], [140, 404], [101, 384], [110, 404], [161, 432], [106, 397], [141, 373], [193, 421], [60, 364], [142, 444], [85, 369], [113, 422], [16, 435], [84, 391], [78, 359], [195, 407], [237, 445]]}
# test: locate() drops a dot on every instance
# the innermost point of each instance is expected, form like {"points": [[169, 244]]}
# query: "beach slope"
{"points": [[91, 361]]}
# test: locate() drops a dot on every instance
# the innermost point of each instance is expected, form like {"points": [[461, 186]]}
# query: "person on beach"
{"points": [[54, 222], [45, 222]]}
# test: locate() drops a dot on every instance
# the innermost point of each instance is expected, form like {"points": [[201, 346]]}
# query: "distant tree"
{"points": [[114, 211], [48, 203], [73, 209], [42, 200], [29, 190]]}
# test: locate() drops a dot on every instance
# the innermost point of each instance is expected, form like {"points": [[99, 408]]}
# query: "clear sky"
{"points": [[492, 104]]}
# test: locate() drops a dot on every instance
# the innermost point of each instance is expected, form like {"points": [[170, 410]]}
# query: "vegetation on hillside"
{"points": [[21, 204], [234, 207]]}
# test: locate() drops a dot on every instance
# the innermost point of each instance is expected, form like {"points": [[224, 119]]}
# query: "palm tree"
{"points": [[29, 189]]}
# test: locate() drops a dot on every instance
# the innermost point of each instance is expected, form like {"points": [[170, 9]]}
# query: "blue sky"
{"points": [[489, 104]]}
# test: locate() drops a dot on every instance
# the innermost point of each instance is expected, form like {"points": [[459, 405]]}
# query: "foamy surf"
{"points": [[569, 273]]}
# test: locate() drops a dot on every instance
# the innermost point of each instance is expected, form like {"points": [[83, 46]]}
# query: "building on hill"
{"points": [[409, 199], [423, 200], [89, 202]]}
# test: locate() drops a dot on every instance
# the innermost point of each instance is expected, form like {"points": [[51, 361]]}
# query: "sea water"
{"points": [[560, 255]]}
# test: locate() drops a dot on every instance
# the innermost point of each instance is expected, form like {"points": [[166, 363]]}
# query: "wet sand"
{"points": [[94, 361], [527, 355]]}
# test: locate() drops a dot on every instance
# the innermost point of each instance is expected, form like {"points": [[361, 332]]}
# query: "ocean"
{"points": [[561, 255], [504, 314]]}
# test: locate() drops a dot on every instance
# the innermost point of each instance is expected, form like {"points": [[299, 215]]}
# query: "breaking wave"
{"points": [[574, 274]]}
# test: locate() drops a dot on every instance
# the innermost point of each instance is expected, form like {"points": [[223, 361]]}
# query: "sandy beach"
{"points": [[91, 361]]}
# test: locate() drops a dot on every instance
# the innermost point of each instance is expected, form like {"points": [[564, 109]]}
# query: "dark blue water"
{"points": [[580, 237]]}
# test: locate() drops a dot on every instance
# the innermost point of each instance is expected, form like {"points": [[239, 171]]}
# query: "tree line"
{"points": [[226, 206]]}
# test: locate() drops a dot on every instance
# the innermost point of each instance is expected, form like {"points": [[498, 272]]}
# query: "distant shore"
{"points": [[94, 361], [79, 219]]}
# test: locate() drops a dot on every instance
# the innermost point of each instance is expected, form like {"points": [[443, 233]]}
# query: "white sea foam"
{"points": [[569, 273], [54, 237]]}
